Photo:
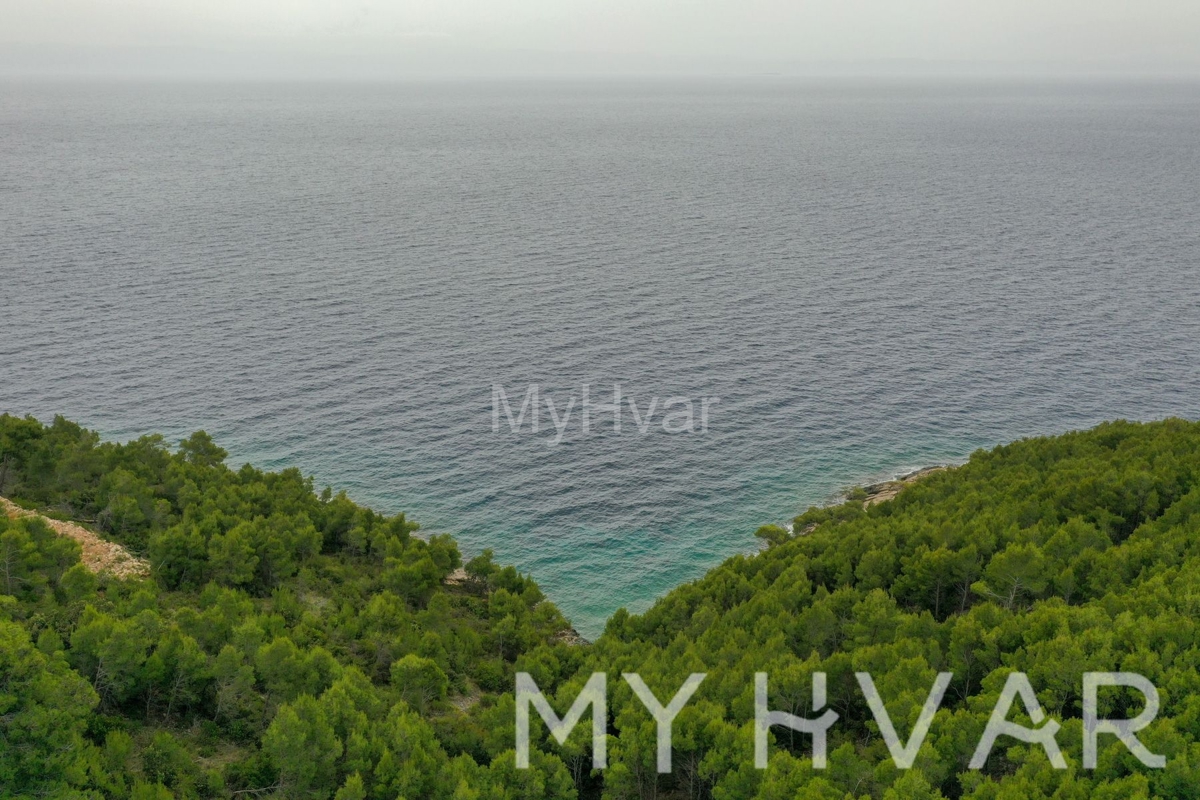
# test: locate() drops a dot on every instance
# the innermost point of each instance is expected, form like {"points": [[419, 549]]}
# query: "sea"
{"points": [[852, 278]]}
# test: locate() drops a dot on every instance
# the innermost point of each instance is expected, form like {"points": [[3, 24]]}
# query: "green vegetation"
{"points": [[289, 642], [301, 645]]}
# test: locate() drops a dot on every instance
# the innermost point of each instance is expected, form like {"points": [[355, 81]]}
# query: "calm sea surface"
{"points": [[871, 277]]}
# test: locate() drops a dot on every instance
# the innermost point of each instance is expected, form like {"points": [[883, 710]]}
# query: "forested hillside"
{"points": [[289, 642], [294, 644], [1049, 556]]}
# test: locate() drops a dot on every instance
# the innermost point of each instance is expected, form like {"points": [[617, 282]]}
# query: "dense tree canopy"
{"points": [[292, 643], [289, 642]]}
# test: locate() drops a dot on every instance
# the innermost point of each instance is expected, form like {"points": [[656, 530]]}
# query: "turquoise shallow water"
{"points": [[871, 277]]}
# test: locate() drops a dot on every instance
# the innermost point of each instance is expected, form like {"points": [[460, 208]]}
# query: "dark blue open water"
{"points": [[871, 277]]}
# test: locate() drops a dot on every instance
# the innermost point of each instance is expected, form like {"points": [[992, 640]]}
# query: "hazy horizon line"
{"points": [[165, 62]]}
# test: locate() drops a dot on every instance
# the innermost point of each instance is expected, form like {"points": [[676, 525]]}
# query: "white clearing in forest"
{"points": [[98, 555]]}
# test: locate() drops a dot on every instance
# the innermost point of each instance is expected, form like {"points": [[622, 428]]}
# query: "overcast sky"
{"points": [[466, 37]]}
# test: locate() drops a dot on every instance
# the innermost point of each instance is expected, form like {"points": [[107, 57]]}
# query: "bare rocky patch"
{"points": [[882, 492], [99, 555]]}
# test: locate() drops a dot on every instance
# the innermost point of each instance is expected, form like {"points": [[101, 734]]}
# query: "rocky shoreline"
{"points": [[873, 493], [886, 490]]}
